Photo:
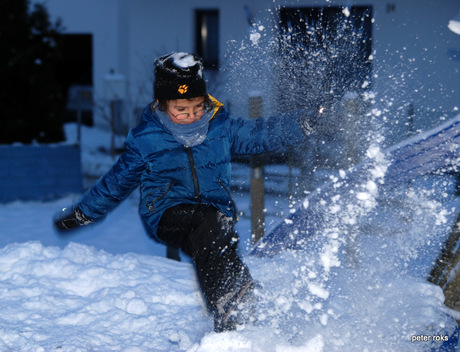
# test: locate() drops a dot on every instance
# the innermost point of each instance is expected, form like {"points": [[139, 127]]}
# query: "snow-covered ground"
{"points": [[108, 287]]}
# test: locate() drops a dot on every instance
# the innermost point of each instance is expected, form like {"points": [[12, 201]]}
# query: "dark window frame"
{"points": [[207, 36], [330, 17]]}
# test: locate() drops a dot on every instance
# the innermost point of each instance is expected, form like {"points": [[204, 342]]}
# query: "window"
{"points": [[332, 47], [207, 36]]}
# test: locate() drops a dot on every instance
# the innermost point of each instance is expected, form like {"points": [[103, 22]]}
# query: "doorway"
{"points": [[75, 75]]}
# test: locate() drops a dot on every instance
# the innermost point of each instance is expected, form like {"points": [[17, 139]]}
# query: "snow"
{"points": [[182, 60], [108, 287], [255, 37], [454, 25], [79, 298]]}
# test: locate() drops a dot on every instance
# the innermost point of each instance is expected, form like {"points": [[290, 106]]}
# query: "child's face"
{"points": [[185, 111]]}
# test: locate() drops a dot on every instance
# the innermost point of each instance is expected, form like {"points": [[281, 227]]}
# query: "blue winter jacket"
{"points": [[169, 173]]}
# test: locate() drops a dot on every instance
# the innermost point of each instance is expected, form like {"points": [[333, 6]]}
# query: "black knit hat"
{"points": [[178, 76]]}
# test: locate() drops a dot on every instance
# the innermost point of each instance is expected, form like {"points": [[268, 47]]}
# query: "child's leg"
{"points": [[212, 243]]}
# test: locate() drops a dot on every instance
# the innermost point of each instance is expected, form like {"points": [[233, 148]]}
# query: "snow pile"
{"points": [[83, 299], [79, 298]]}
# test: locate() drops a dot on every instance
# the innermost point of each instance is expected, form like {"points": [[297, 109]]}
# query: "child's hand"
{"points": [[310, 119], [70, 218]]}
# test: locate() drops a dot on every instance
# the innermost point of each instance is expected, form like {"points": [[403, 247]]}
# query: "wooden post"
{"points": [[410, 120], [79, 119], [445, 265], [257, 179]]}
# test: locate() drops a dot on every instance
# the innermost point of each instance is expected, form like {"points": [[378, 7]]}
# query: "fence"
{"points": [[39, 172]]}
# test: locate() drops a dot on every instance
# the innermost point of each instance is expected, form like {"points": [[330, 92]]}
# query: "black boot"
{"points": [[235, 309]]}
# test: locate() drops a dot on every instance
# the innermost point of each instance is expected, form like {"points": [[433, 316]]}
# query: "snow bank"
{"points": [[80, 299]]}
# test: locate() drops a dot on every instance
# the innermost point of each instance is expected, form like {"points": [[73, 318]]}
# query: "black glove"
{"points": [[310, 119], [71, 218]]}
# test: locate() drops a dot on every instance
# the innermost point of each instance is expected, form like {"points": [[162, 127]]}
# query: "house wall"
{"points": [[417, 61], [416, 57]]}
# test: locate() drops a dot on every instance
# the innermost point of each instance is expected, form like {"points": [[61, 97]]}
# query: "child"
{"points": [[180, 157]]}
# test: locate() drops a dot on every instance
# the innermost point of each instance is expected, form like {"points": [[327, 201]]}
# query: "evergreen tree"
{"points": [[31, 101]]}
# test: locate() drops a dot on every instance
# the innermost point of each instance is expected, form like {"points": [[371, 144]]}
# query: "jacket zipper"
{"points": [[235, 215], [151, 206], [196, 186]]}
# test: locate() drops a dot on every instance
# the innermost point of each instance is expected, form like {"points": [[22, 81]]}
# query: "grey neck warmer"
{"points": [[189, 135]]}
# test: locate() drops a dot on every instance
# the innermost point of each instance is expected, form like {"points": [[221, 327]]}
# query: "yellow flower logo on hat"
{"points": [[183, 89]]}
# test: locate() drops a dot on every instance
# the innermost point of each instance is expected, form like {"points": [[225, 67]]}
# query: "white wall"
{"points": [[99, 18], [415, 45], [412, 43]]}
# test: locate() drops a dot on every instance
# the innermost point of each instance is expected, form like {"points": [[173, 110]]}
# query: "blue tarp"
{"points": [[434, 151]]}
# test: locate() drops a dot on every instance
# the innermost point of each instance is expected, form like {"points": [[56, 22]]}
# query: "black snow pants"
{"points": [[206, 235]]}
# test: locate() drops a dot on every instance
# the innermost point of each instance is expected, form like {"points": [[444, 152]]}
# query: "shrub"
{"points": [[32, 103]]}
